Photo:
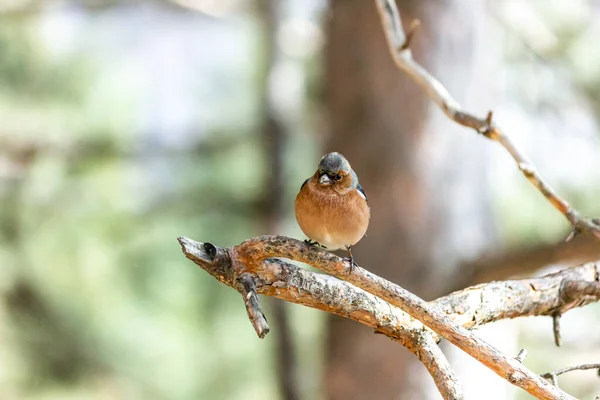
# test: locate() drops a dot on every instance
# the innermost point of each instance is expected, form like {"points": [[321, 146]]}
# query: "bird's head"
{"points": [[334, 170]]}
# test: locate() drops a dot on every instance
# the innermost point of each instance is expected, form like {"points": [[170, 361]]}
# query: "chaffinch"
{"points": [[331, 207]]}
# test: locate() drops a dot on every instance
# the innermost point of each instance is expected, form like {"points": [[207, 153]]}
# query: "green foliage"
{"points": [[98, 299], [27, 72]]}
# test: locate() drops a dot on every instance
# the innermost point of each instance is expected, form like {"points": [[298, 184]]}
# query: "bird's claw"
{"points": [[350, 260], [313, 243]]}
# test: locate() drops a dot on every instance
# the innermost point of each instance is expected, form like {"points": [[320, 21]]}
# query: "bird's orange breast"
{"points": [[333, 219]]}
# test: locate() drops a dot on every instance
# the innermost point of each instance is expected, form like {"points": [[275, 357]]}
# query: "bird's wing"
{"points": [[304, 183], [360, 190]]}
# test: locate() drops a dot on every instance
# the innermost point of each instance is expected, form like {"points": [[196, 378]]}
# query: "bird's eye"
{"points": [[337, 177]]}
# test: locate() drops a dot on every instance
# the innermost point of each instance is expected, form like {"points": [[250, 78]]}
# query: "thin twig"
{"points": [[447, 316], [554, 374], [556, 328], [581, 367], [521, 356], [392, 26], [412, 29], [247, 288], [554, 380]]}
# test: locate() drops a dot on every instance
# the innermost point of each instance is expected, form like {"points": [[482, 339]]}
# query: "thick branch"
{"points": [[473, 306], [402, 56], [254, 251], [287, 282], [423, 345], [549, 295]]}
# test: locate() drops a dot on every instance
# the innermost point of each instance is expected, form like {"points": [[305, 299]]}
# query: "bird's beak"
{"points": [[324, 179]]}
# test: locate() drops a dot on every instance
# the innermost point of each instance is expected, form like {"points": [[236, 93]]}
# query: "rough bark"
{"points": [[251, 263]]}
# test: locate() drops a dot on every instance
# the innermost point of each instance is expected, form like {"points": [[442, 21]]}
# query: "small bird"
{"points": [[331, 207]]}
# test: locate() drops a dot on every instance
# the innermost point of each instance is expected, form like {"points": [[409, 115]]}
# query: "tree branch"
{"points": [[247, 288], [402, 56], [287, 282], [554, 374], [447, 317], [423, 345], [551, 294]]}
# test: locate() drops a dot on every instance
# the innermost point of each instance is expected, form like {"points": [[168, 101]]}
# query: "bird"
{"points": [[331, 207]]}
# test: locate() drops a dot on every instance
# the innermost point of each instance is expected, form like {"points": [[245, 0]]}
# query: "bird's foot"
{"points": [[313, 243], [350, 260]]}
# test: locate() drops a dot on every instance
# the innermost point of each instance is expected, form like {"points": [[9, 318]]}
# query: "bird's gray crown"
{"points": [[334, 162]]}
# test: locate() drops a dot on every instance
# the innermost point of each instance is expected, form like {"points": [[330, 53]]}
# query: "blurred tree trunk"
{"points": [[273, 135], [424, 176]]}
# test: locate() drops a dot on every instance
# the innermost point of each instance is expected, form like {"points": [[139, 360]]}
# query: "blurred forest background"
{"points": [[125, 124]]}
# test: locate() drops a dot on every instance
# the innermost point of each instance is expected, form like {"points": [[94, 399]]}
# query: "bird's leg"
{"points": [[350, 258]]}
